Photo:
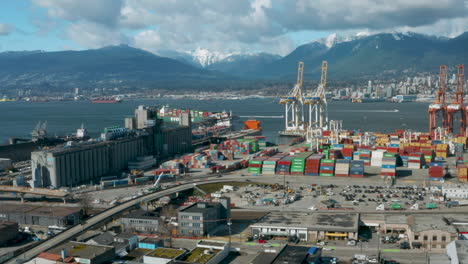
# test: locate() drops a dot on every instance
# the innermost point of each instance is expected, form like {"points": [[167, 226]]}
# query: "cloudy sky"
{"points": [[276, 26]]}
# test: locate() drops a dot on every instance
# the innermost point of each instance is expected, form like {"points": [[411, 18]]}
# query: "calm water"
{"points": [[19, 118]]}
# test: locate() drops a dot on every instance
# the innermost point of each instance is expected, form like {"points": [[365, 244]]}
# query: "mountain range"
{"points": [[358, 57]]}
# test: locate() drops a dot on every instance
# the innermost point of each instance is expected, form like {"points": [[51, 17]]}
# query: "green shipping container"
{"points": [[326, 174], [389, 155], [431, 206], [255, 162], [327, 161], [396, 206]]}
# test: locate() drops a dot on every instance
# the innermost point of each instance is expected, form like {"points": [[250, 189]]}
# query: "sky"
{"points": [[225, 26]]}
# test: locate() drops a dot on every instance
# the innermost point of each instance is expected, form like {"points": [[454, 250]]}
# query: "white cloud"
{"points": [[254, 25], [94, 35], [5, 29]]}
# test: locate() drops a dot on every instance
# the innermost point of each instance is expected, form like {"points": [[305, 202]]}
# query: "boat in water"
{"points": [[222, 119], [367, 100], [106, 100]]}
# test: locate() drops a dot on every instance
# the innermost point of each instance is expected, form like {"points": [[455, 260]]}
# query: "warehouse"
{"points": [[40, 215], [74, 165], [308, 226]]}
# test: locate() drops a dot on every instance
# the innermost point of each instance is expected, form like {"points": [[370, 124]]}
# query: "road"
{"points": [[89, 223], [185, 185]]}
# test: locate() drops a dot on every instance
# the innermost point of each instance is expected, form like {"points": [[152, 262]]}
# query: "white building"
{"points": [[458, 251], [455, 191]]}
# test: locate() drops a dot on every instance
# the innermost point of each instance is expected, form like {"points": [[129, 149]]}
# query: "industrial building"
{"points": [[202, 217], [308, 226], [82, 253], [9, 231], [40, 215], [141, 221], [74, 165], [84, 162]]}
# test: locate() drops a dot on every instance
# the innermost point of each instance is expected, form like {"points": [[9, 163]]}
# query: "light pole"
{"points": [[229, 223]]}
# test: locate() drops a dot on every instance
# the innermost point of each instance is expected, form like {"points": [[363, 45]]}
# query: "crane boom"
{"points": [[300, 73], [323, 79]]}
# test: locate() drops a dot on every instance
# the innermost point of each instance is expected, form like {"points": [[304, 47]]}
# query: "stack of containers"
{"points": [[356, 169], [462, 173], [347, 151], [356, 155], [284, 165], [436, 171], [299, 162], [312, 167], [342, 168], [175, 166], [377, 156], [428, 155], [389, 162], [442, 150], [196, 161], [269, 166], [327, 167], [255, 165], [459, 149], [365, 155], [335, 154], [415, 160], [394, 140]]}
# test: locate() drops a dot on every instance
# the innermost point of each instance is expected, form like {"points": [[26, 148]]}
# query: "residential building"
{"points": [[202, 217]]}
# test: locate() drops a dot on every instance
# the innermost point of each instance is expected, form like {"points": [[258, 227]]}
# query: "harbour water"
{"points": [[64, 117]]}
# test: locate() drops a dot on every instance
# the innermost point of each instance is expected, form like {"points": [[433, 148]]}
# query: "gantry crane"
{"points": [[458, 106], [439, 108], [317, 101], [293, 103]]}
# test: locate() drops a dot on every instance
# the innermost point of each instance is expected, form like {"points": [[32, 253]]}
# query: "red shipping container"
{"points": [[326, 171], [342, 175], [357, 175]]}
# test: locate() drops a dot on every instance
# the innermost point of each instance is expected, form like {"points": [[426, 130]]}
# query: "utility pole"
{"points": [[229, 223]]}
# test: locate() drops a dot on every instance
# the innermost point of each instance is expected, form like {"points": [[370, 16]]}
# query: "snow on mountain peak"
{"points": [[206, 57]]}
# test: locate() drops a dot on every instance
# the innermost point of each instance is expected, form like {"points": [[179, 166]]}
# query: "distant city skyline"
{"points": [[221, 26]]}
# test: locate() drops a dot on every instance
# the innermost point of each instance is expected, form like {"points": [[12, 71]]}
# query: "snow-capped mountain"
{"points": [[334, 38], [205, 57]]}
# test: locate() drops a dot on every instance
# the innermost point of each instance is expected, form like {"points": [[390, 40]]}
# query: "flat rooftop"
{"points": [[81, 250], [197, 255], [292, 254], [311, 221], [211, 243], [38, 210], [199, 208], [419, 223], [166, 253]]}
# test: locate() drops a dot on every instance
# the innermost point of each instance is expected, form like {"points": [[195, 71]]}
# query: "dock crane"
{"points": [[317, 102], [293, 103], [439, 107], [458, 106]]}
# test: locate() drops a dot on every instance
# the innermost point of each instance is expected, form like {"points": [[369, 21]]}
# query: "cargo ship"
{"points": [[106, 101], [221, 119], [368, 100]]}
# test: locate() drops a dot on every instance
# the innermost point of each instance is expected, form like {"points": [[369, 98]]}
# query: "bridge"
{"points": [[37, 191]]}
